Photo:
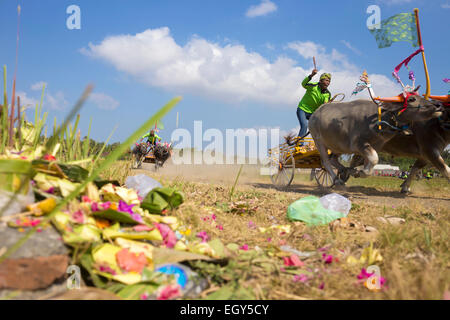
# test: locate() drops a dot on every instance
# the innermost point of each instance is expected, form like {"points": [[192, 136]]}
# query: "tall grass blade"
{"points": [[235, 182]]}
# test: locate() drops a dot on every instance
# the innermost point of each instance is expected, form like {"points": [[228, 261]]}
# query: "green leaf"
{"points": [[114, 215], [74, 172], [159, 199]]}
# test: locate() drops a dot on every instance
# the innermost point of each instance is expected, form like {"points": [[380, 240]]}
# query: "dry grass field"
{"points": [[413, 255]]}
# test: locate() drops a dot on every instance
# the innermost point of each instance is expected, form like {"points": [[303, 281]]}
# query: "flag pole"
{"points": [[419, 37]]}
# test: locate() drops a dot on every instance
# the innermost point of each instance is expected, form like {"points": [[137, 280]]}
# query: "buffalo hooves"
{"points": [[362, 174], [405, 190], [344, 175]]}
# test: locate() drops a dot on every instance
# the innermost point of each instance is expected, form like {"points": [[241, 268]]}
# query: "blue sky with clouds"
{"points": [[237, 64]]}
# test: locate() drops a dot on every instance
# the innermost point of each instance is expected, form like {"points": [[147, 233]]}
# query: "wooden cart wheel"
{"points": [[284, 174], [323, 178]]}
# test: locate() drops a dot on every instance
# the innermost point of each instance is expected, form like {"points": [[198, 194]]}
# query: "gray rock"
{"points": [[45, 243]]}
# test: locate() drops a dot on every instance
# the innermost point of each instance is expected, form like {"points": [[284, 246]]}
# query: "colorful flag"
{"points": [[401, 27]]}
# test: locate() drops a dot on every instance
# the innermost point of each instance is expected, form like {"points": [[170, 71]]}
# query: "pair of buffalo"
{"points": [[353, 128]]}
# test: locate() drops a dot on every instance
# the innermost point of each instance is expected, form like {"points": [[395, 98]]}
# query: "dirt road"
{"points": [[425, 194]]}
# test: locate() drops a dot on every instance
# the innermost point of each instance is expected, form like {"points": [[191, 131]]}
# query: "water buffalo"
{"points": [[352, 128], [426, 144]]}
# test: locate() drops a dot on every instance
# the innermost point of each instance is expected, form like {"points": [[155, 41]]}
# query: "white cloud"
{"points": [[56, 101], [25, 100], [348, 45], [229, 73], [39, 85], [269, 46], [445, 5], [103, 101], [262, 9], [345, 75]]}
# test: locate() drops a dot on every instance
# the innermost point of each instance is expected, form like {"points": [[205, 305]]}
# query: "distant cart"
{"points": [[144, 153], [289, 156]]}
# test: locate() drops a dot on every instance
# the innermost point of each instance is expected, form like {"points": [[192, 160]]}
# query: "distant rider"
{"points": [[316, 95], [152, 137]]}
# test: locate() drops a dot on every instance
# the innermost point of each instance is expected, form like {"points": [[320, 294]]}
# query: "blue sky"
{"points": [[237, 64]]}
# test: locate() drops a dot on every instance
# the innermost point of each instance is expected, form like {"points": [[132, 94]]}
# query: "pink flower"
{"points": [[169, 237], [323, 249], [142, 227], [363, 275], [107, 269], [169, 292], [220, 227], [94, 207], [35, 222], [282, 269], [85, 199], [251, 225], [244, 247], [105, 205], [144, 296], [322, 285], [50, 190], [269, 239], [213, 216], [39, 229], [327, 258], [78, 217], [202, 235], [124, 207], [136, 217], [293, 260], [300, 278]]}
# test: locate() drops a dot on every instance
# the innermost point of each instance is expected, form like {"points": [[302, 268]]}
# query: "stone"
{"points": [[40, 262], [391, 220], [48, 242], [32, 273], [370, 229]]}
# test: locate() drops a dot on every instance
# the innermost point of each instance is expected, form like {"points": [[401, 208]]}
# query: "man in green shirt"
{"points": [[152, 137], [316, 95]]}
